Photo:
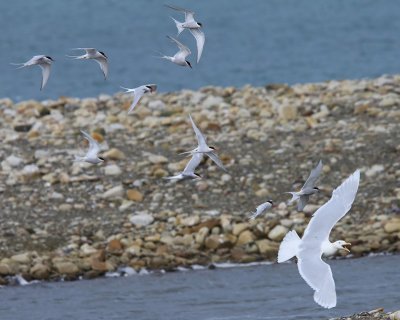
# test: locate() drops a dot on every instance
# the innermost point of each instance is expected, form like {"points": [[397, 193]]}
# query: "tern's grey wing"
{"points": [[201, 140], [217, 160], [200, 39], [90, 51], [314, 175], [189, 15], [46, 68], [137, 95], [193, 163], [302, 202], [103, 65], [94, 147], [185, 51]]}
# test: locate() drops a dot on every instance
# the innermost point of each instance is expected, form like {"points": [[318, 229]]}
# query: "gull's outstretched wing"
{"points": [[314, 175], [45, 73], [198, 34], [216, 160], [94, 147], [201, 140], [183, 50], [189, 15], [193, 163], [312, 268], [103, 65]]}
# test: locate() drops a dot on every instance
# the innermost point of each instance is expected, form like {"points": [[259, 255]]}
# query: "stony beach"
{"points": [[377, 314], [64, 219]]}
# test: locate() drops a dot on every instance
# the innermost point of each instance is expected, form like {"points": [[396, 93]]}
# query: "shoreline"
{"points": [[63, 219]]}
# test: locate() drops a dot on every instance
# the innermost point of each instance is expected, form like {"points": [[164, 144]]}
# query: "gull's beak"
{"points": [[344, 247]]}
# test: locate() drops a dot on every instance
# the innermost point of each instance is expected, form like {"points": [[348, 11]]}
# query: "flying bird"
{"points": [[308, 188], [138, 93], [193, 26], [94, 54], [202, 147], [315, 242], [189, 172], [180, 57], [261, 209], [92, 154], [44, 62]]}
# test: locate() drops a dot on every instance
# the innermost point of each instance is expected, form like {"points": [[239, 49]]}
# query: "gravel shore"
{"points": [[377, 314], [61, 218]]}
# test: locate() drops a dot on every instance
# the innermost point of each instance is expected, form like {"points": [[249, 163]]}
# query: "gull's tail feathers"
{"points": [[178, 26], [289, 246]]}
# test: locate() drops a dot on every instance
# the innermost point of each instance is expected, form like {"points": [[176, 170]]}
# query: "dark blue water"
{"points": [[256, 42], [253, 293]]}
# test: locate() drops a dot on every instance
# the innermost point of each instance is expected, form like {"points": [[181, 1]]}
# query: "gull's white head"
{"points": [[342, 245]]}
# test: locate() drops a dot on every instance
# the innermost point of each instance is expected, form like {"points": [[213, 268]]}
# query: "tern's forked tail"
{"points": [[18, 65], [295, 197], [78, 158], [178, 26], [289, 246]]}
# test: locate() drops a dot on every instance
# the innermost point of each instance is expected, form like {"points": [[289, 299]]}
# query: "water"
{"points": [[258, 292], [288, 41]]}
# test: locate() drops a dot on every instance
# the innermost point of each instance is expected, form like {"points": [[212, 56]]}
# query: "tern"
{"points": [[193, 26], [180, 57], [94, 54], [188, 173], [202, 147], [44, 62], [138, 93], [315, 242], [308, 188], [92, 154], [261, 209]]}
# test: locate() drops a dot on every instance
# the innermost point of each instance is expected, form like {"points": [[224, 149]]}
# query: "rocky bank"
{"points": [[61, 218]]}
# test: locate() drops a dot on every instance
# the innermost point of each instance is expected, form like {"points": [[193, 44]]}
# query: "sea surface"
{"points": [[252, 292], [247, 42]]}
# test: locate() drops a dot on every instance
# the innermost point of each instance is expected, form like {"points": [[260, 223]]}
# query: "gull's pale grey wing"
{"points": [[302, 202], [193, 163], [182, 48], [314, 175], [312, 268], [137, 95], [94, 147], [318, 275], [189, 15], [201, 140], [46, 68], [217, 160], [103, 65], [198, 34]]}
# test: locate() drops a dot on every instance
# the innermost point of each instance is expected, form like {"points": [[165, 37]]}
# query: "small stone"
{"points": [[112, 170], [5, 269], [239, 227], [114, 246], [67, 268], [277, 233], [245, 237], [392, 225], [14, 161], [134, 195], [142, 219], [157, 159], [190, 221], [115, 192], [40, 271], [23, 258], [201, 235], [114, 154], [287, 112], [267, 247], [374, 170]]}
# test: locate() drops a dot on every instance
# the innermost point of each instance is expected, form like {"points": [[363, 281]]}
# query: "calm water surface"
{"points": [[257, 292], [256, 42]]}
